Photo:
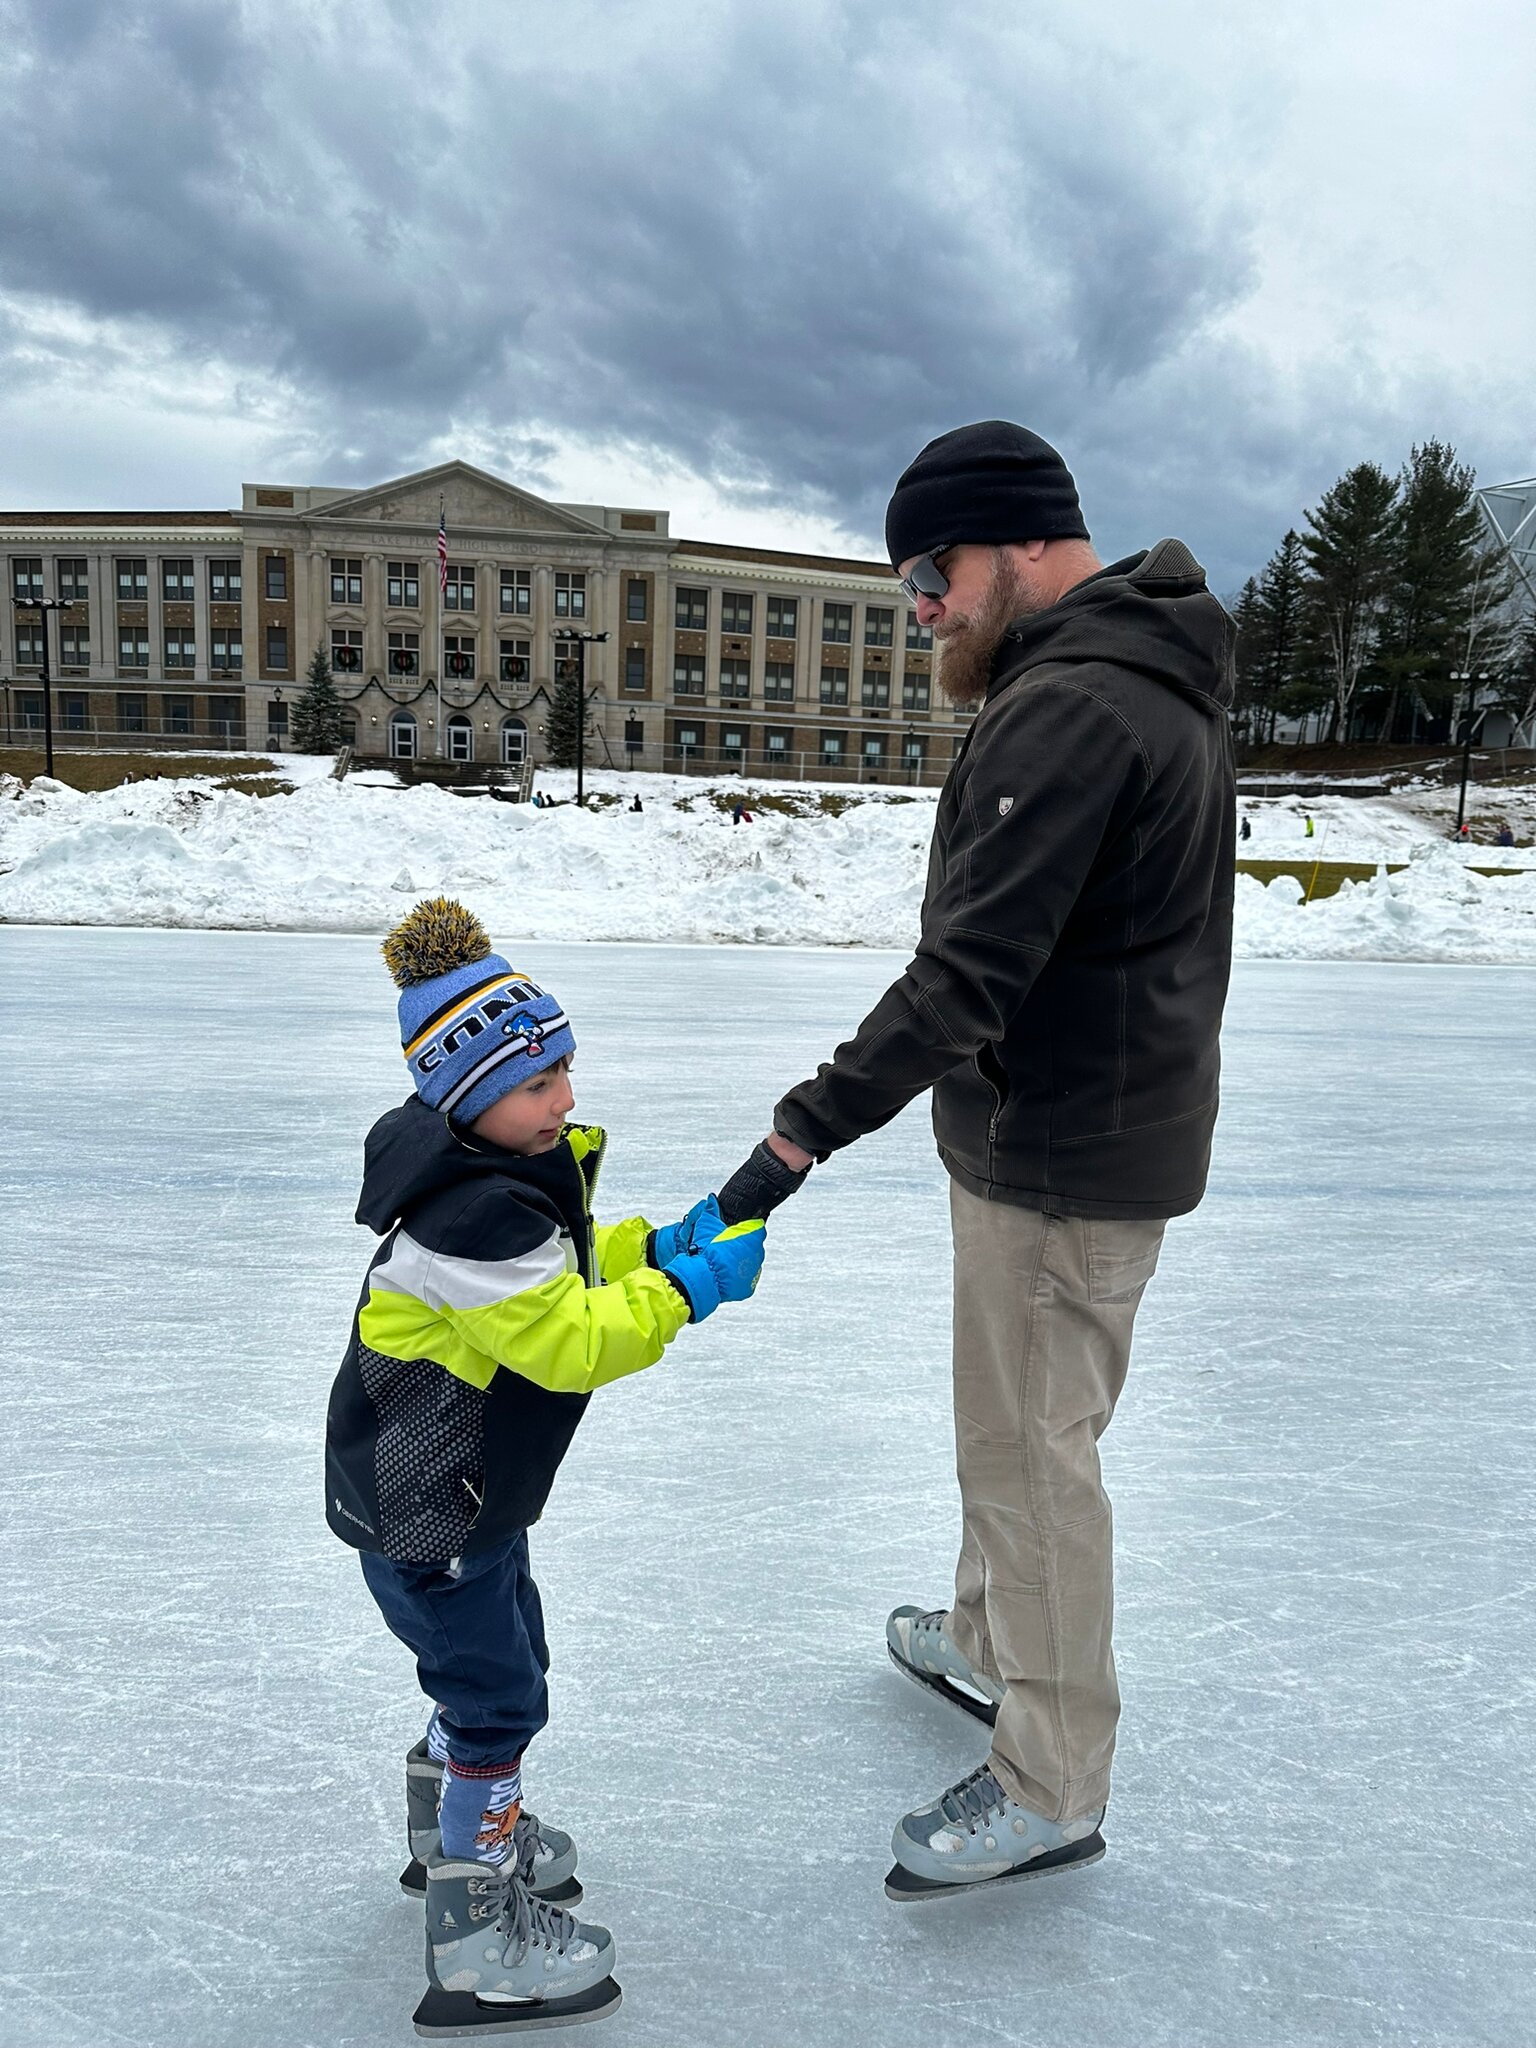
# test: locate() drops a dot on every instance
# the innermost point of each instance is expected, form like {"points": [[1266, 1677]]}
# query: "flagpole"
{"points": [[442, 592]]}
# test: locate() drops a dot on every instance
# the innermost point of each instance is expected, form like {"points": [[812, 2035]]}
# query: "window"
{"points": [[75, 646], [27, 577], [132, 578], [879, 625], [227, 651], [180, 647], [514, 661], [176, 714], [692, 610], [346, 581], [733, 744], [918, 636], [402, 736], [570, 594], [132, 712], [274, 574], [736, 612], [634, 668], [776, 739], [832, 746], [875, 687], [75, 707], [73, 572], [225, 580], [783, 618], [837, 622], [459, 656], [404, 653], [277, 722], [459, 593], [779, 683], [517, 591], [29, 646], [347, 650], [735, 680], [635, 599], [914, 693], [514, 743], [874, 750], [688, 675], [634, 735], [461, 738], [177, 584], [914, 747], [402, 585], [690, 738], [834, 685], [133, 648], [29, 710], [277, 647]]}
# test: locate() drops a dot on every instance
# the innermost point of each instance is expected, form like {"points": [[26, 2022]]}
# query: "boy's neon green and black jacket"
{"points": [[492, 1309]]}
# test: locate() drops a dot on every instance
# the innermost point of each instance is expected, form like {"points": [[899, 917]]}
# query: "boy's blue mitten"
{"points": [[724, 1269], [669, 1241]]}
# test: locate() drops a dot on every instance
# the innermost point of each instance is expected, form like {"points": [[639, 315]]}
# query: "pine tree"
{"points": [[319, 723], [566, 710], [1351, 551], [1271, 643], [1446, 592]]}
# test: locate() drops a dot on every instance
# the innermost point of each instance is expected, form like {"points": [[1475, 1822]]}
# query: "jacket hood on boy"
{"points": [[414, 1151]]}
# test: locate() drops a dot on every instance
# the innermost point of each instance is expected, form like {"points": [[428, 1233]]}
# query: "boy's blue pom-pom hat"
{"points": [[471, 1026]]}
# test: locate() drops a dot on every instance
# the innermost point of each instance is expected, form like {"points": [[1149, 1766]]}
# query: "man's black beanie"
{"points": [[990, 482]]}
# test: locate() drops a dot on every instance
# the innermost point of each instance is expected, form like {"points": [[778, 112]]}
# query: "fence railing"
{"points": [[891, 770]]}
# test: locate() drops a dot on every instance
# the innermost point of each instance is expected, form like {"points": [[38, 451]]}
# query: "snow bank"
{"points": [[350, 858]]}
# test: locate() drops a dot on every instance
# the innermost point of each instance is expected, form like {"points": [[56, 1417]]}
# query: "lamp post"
{"points": [[581, 642], [43, 606], [1469, 726]]}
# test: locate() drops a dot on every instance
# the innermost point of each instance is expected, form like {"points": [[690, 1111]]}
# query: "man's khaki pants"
{"points": [[1043, 1313]]}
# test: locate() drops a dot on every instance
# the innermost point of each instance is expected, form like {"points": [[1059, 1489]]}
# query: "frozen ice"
{"points": [[1322, 1469]]}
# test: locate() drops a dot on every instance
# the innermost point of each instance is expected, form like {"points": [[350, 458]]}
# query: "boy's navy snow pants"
{"points": [[477, 1630]]}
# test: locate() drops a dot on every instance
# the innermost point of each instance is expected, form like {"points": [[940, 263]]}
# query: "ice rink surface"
{"points": [[1322, 1468]]}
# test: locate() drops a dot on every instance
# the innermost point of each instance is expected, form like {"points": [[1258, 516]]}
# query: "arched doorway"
{"points": [[402, 736], [461, 738], [514, 742]]}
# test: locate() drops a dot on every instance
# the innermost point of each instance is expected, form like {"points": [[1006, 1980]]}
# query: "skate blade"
{"points": [[413, 1882], [934, 1682], [907, 1889], [446, 2013]]}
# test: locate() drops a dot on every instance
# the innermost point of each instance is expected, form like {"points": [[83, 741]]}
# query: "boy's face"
{"points": [[530, 1117]]}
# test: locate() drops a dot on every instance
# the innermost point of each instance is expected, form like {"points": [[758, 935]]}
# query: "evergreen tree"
{"points": [[1271, 640], [1351, 546], [566, 710], [319, 723], [1446, 591]]}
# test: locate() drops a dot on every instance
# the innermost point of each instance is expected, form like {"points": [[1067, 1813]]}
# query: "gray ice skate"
{"points": [[921, 1650], [546, 1856], [500, 1960], [975, 1834]]}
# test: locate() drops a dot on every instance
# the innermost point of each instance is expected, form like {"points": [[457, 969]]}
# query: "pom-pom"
{"points": [[438, 936]]}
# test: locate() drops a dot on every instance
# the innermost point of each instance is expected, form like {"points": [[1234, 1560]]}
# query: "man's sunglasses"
{"points": [[926, 578]]}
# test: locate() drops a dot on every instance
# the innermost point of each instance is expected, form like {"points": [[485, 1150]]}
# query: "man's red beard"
{"points": [[967, 643]]}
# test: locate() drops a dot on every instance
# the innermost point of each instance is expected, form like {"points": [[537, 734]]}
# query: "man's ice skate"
{"points": [[546, 1857], [974, 1834], [500, 1960], [921, 1650]]}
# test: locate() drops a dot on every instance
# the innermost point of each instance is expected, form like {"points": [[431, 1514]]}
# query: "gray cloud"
{"points": [[779, 247]]}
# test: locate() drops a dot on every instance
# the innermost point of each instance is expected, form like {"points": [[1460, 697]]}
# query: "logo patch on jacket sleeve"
{"points": [[1004, 806]]}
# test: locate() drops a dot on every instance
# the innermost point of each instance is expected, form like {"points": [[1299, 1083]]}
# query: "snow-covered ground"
{"points": [[351, 857], [1323, 1474]]}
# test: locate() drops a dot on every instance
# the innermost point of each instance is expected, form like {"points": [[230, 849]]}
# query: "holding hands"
{"points": [[715, 1252]]}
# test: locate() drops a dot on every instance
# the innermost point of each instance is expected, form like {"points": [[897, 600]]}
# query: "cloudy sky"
{"points": [[743, 257]]}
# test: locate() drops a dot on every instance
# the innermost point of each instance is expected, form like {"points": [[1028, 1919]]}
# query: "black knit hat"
{"points": [[989, 482]]}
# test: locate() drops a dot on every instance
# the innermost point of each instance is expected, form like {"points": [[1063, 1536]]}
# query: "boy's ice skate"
{"points": [[921, 1650], [975, 1834], [545, 1856], [500, 1960]]}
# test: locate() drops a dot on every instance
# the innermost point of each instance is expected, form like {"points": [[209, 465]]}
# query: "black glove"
{"points": [[758, 1186]]}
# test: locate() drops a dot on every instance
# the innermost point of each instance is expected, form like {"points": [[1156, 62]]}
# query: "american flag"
{"points": [[442, 551]]}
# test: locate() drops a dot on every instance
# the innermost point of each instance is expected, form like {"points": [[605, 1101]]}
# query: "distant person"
{"points": [[492, 1310], [740, 815], [1245, 830], [1064, 1005], [1311, 829], [1504, 836], [637, 805]]}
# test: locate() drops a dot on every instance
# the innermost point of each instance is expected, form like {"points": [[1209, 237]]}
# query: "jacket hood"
{"points": [[1150, 612], [414, 1151]]}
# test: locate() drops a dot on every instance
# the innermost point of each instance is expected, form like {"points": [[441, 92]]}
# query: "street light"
{"points": [[581, 640], [1469, 727], [45, 605]]}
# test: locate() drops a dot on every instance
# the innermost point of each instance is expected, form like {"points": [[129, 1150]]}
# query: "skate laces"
{"points": [[528, 1919], [968, 1803]]}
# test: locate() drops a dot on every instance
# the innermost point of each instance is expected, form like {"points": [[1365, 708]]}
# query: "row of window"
{"points": [[732, 745], [782, 619], [226, 715], [179, 648], [779, 684], [178, 578], [460, 588]]}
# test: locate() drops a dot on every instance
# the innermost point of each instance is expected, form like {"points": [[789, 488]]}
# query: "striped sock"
{"points": [[437, 1740], [481, 1804]]}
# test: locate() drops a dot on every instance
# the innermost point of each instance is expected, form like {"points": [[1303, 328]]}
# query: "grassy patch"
{"points": [[107, 771]]}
